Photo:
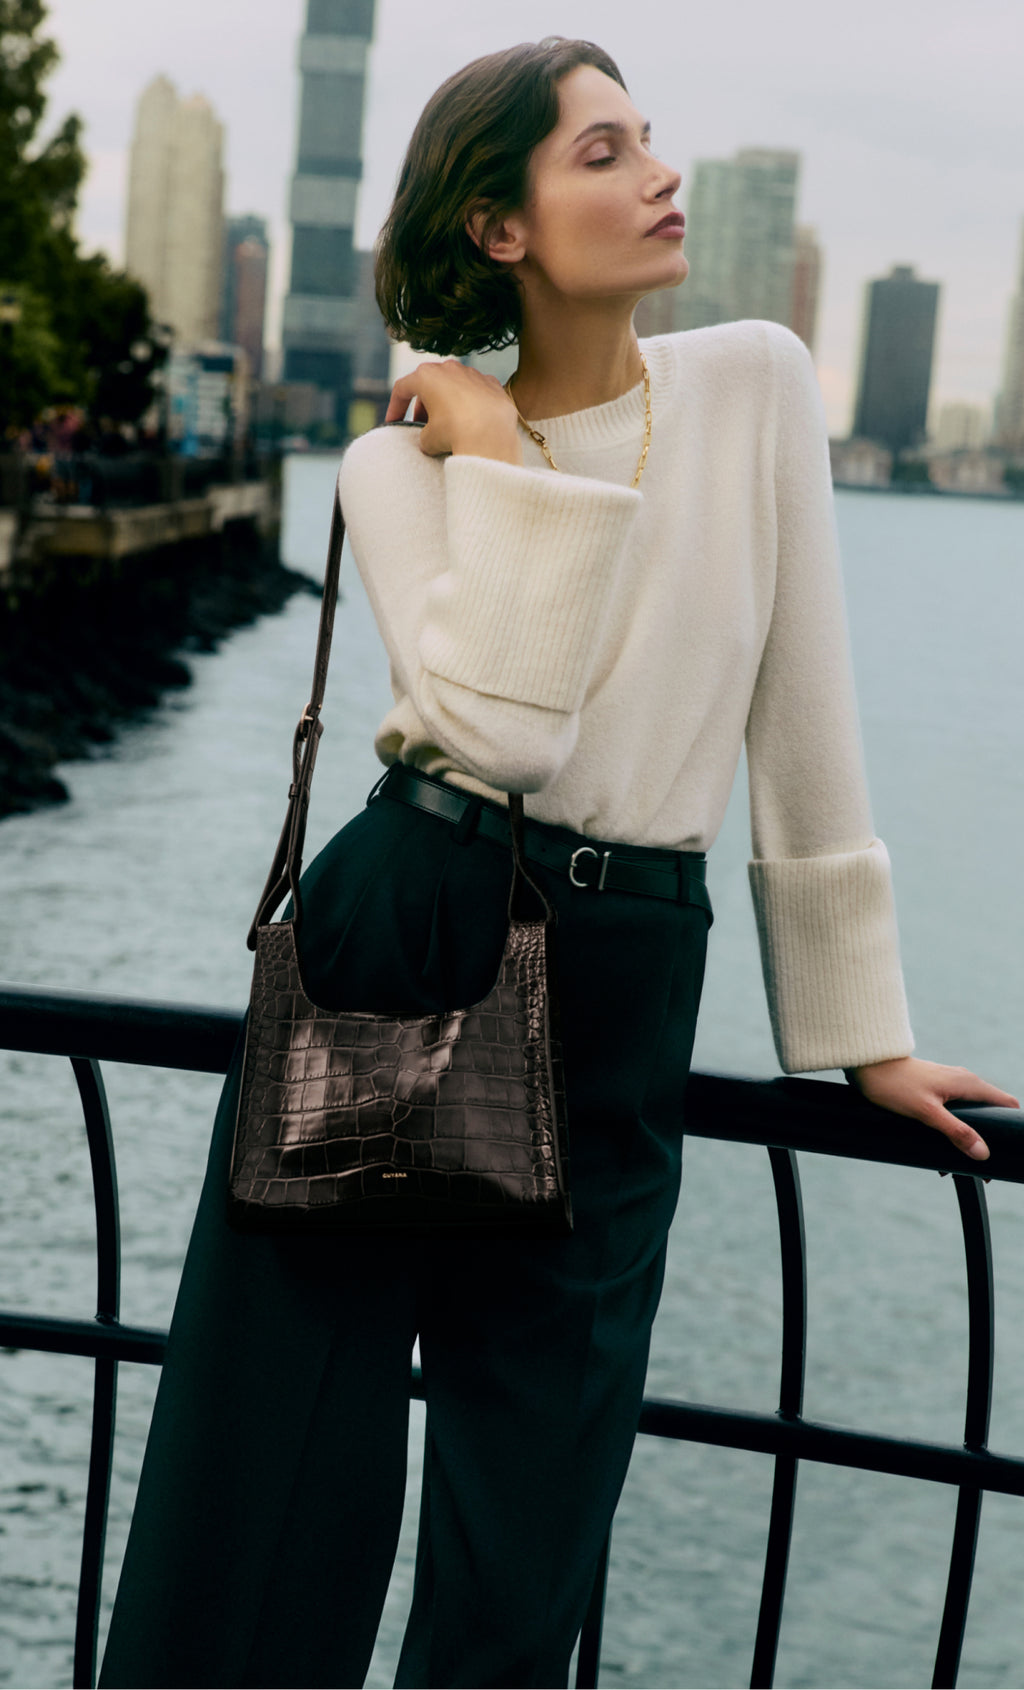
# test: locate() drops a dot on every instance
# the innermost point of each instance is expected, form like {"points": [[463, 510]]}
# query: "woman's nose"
{"points": [[667, 181]]}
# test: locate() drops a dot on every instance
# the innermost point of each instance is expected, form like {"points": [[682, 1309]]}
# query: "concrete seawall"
{"points": [[82, 532], [100, 608]]}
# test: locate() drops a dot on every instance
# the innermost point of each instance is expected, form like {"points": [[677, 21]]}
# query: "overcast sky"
{"points": [[907, 114]]}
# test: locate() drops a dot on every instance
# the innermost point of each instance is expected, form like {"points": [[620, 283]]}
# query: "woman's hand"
{"points": [[922, 1090], [464, 412]]}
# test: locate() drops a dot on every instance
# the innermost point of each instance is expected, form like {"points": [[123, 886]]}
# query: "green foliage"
{"points": [[80, 318], [39, 182], [1013, 478], [30, 357], [100, 315]]}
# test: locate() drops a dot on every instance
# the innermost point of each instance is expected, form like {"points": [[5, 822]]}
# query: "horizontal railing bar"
{"points": [[834, 1120], [64, 1336], [765, 1434], [792, 1114], [836, 1446], [141, 1031]]}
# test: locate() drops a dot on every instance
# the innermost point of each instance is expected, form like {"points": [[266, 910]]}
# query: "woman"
{"points": [[593, 610]]}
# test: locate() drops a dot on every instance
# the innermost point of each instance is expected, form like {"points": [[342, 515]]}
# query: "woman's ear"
{"points": [[503, 242]]}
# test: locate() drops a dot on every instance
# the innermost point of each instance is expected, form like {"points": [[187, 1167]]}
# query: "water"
{"points": [[145, 884]]}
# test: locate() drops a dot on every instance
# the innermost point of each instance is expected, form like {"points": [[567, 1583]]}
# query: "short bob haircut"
{"points": [[470, 152]]}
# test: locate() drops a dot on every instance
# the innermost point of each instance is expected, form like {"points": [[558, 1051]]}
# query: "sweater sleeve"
{"points": [[493, 636], [820, 880]]}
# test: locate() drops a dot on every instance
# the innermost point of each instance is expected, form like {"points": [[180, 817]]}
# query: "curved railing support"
{"points": [[793, 1248], [104, 1398], [980, 1364]]}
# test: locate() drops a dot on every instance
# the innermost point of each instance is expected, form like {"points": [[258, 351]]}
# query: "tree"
{"points": [[39, 183], [29, 357], [80, 319]]}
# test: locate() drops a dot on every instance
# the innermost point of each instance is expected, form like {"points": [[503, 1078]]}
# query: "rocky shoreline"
{"points": [[91, 650]]}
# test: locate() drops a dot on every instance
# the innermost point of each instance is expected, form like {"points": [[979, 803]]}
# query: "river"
{"points": [[144, 884]]}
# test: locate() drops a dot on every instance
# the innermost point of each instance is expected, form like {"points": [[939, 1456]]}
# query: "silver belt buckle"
{"points": [[588, 851]]}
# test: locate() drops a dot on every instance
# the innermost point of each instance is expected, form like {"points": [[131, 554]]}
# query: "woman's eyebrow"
{"points": [[610, 126]]}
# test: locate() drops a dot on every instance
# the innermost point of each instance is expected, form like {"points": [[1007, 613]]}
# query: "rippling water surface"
{"points": [[145, 884]]}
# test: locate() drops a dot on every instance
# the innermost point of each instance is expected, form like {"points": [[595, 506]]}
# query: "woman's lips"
{"points": [[672, 227]]}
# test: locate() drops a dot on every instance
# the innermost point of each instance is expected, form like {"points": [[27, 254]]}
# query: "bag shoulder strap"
{"points": [[286, 867], [287, 863]]}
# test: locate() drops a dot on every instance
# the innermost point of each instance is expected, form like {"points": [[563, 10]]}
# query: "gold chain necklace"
{"points": [[539, 439]]}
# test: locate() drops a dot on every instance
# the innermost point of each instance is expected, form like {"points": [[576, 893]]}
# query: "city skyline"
{"points": [[906, 119]]}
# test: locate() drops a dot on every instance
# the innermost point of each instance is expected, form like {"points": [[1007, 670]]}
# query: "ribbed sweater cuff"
{"points": [[534, 558], [830, 954]]}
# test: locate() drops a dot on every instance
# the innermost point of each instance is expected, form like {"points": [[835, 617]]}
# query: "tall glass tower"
{"points": [[321, 311]]}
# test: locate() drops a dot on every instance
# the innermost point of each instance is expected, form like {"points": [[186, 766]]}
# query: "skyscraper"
{"points": [[175, 216], [321, 311], [243, 292], [897, 345], [1009, 414], [803, 318], [740, 239]]}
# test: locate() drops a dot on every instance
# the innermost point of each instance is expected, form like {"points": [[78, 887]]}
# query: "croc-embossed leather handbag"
{"points": [[447, 1122]]}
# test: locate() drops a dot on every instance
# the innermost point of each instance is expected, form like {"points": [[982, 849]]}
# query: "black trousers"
{"points": [[271, 1495]]}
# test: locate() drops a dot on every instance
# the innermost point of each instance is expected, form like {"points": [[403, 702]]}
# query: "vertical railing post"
{"points": [[104, 1404], [980, 1364], [792, 1244]]}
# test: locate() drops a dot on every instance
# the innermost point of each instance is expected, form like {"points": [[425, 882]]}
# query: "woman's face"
{"points": [[599, 221]]}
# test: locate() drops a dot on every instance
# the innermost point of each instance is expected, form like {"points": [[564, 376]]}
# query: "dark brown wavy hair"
{"points": [[470, 152]]}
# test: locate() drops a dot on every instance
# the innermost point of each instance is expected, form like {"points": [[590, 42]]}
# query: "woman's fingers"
{"points": [[964, 1137], [959, 1085], [428, 383], [976, 1090], [921, 1091], [405, 390], [464, 411]]}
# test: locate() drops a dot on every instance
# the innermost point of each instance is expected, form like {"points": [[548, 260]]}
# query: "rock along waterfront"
{"points": [[100, 606]]}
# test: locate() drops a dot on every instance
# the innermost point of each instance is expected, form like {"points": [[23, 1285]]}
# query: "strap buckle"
{"points": [[588, 885]]}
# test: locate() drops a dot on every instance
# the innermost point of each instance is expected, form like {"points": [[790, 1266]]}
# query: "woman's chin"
{"points": [[671, 275]]}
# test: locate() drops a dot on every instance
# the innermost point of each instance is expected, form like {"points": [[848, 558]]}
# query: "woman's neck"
{"points": [[574, 361]]}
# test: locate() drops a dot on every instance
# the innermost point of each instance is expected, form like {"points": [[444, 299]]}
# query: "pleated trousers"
{"points": [[272, 1490]]}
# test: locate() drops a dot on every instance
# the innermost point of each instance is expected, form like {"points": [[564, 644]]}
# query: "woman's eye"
{"points": [[606, 158]]}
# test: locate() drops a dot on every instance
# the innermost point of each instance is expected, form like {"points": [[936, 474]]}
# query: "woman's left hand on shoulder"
{"points": [[909, 1086], [462, 410]]}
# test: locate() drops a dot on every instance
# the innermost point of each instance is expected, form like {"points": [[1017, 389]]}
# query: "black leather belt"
{"points": [[588, 864]]}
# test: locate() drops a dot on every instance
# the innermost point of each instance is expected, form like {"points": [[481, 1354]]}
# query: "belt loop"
{"points": [[682, 880], [465, 827]]}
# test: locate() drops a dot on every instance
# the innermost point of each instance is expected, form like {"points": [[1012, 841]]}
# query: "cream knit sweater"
{"points": [[606, 651]]}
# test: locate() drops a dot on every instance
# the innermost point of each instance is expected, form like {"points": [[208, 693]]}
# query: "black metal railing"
{"points": [[786, 1116]]}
